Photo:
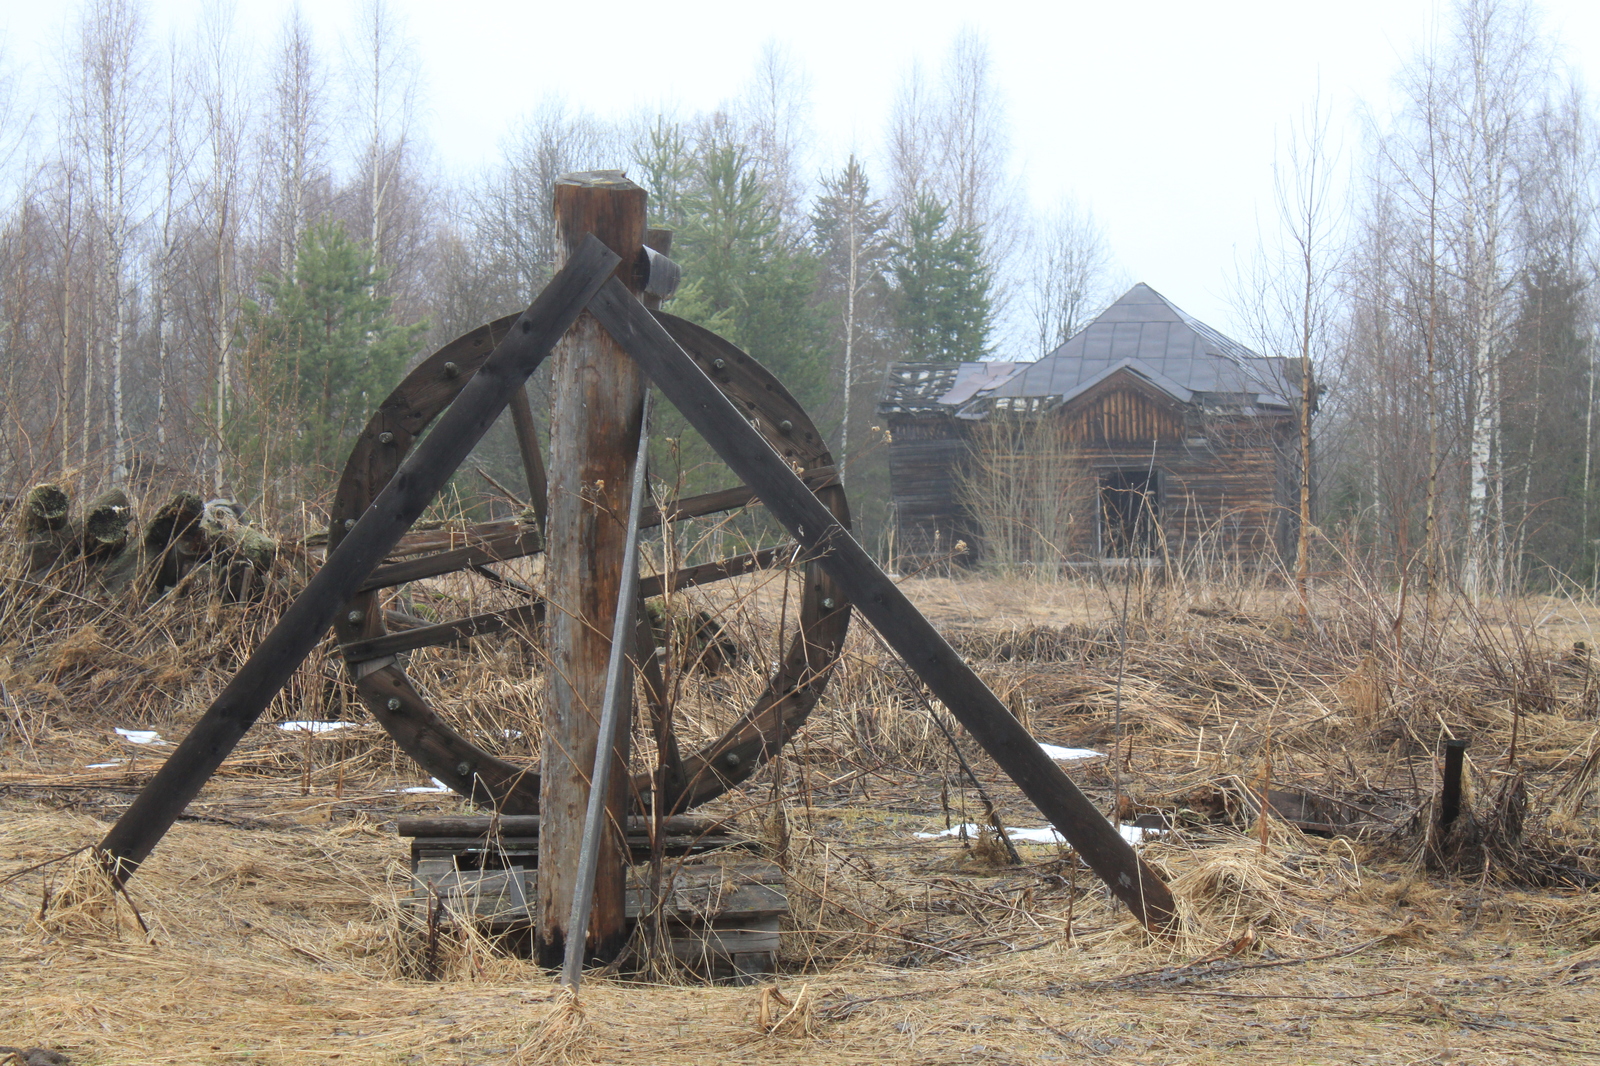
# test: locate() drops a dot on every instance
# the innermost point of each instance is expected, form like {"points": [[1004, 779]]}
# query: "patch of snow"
{"points": [[511, 734], [1042, 834], [314, 727], [437, 786], [105, 765], [1060, 754], [140, 736]]}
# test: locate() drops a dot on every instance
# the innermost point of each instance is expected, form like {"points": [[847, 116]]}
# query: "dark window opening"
{"points": [[1129, 513]]}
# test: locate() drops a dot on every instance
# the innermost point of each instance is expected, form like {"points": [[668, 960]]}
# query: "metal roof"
{"points": [[912, 388], [1143, 332]]}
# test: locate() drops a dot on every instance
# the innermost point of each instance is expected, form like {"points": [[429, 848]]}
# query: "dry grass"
{"points": [[267, 928]]}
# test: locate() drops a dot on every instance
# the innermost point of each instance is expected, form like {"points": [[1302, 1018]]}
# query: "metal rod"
{"points": [[610, 718]]}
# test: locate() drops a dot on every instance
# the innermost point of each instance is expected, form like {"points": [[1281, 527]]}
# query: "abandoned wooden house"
{"points": [[1147, 435]]}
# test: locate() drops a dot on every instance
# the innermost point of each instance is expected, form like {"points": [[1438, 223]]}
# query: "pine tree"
{"points": [[325, 351], [942, 286], [744, 280]]}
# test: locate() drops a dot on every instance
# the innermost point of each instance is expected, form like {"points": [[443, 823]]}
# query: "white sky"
{"points": [[1161, 116]]}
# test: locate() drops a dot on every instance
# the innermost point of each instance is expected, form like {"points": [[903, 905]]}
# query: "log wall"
{"points": [[1226, 484], [926, 456]]}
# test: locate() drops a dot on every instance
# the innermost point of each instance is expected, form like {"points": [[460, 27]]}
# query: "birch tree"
{"points": [[1069, 268], [113, 131], [1493, 78], [383, 73], [295, 140], [853, 239], [774, 113], [1307, 220], [176, 197], [220, 92]]}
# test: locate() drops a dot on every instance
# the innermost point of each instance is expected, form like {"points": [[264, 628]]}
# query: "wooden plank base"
{"points": [[719, 910]]}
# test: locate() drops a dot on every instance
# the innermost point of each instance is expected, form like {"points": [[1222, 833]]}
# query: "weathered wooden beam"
{"points": [[527, 435], [615, 708], [1455, 757], [525, 541], [456, 632], [597, 397], [705, 573], [527, 825], [401, 503], [978, 709]]}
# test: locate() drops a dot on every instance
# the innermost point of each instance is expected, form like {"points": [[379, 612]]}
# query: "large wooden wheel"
{"points": [[370, 651]]}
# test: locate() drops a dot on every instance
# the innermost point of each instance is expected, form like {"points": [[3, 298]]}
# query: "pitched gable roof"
{"points": [[1145, 334]]}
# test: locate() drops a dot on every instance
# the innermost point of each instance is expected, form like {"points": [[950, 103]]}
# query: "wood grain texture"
{"points": [[596, 402]]}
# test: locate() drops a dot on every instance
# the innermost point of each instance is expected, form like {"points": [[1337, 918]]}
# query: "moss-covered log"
{"points": [[174, 540], [106, 522], [46, 527]]}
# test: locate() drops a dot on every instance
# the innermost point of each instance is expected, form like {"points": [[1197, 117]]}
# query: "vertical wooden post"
{"points": [[596, 402]]}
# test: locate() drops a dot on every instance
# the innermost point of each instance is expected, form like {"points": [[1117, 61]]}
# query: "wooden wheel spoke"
{"points": [[680, 781], [705, 573], [532, 614], [658, 701], [525, 542], [710, 503], [457, 632], [532, 460]]}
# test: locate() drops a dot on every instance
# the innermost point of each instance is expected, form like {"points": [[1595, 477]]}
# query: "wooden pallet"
{"points": [[719, 905]]}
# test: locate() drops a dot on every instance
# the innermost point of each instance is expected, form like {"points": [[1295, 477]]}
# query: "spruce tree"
{"points": [[742, 278], [943, 305], [324, 352]]}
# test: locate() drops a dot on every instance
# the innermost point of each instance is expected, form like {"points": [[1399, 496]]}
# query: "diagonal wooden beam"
{"points": [[911, 635], [400, 504]]}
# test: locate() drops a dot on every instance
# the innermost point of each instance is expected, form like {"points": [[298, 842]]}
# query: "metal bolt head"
{"points": [[827, 603], [385, 437], [451, 370], [464, 769], [786, 426], [394, 703], [355, 618], [349, 523], [718, 364], [731, 760]]}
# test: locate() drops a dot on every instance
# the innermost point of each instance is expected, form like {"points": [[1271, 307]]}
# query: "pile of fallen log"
{"points": [[107, 539]]}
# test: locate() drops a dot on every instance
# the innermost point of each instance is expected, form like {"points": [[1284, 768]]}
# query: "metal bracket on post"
{"points": [[661, 275]]}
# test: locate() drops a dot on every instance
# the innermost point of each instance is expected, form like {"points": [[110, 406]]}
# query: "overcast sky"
{"points": [[1162, 117]]}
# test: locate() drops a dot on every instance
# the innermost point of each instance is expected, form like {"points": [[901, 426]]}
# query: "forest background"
{"points": [[217, 254]]}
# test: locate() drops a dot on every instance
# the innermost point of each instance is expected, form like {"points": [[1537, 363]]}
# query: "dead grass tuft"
{"points": [[561, 1038]]}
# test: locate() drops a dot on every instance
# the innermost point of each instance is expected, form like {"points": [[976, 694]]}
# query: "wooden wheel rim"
{"points": [[406, 714]]}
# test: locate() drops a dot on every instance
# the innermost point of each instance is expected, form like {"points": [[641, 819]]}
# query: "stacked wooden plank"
{"points": [[719, 904]]}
